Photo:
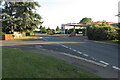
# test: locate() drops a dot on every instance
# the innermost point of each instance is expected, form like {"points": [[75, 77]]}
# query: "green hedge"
{"points": [[99, 32]]}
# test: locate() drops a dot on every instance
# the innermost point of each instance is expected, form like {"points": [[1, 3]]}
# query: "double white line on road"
{"points": [[75, 50], [101, 63], [116, 67], [104, 62]]}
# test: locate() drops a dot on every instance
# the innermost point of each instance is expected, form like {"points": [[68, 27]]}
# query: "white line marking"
{"points": [[104, 62], [66, 47], [100, 64], [79, 52], [74, 50], [85, 54], [116, 67], [40, 46], [70, 48], [93, 58], [61, 44]]}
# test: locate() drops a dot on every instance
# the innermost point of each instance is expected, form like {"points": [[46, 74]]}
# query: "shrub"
{"points": [[100, 32]]}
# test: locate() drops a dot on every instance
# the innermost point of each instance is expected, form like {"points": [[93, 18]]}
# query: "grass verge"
{"points": [[24, 64]]}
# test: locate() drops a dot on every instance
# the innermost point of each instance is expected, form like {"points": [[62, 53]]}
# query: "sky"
{"points": [[57, 12]]}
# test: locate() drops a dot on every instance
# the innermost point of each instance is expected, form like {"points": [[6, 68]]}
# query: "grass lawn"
{"points": [[25, 64]]}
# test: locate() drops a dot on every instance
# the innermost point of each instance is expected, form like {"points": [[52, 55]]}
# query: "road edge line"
{"points": [[100, 64]]}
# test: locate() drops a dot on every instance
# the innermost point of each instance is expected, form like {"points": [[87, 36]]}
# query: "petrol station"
{"points": [[65, 27]]}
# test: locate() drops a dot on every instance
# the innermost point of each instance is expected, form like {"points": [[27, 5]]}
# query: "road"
{"points": [[99, 53]]}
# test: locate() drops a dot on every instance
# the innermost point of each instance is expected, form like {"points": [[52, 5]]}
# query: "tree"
{"points": [[8, 18], [43, 29], [104, 23], [57, 29], [52, 30], [20, 16], [86, 20], [48, 29]]}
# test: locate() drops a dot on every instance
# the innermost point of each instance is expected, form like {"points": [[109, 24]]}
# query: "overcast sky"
{"points": [[57, 12]]}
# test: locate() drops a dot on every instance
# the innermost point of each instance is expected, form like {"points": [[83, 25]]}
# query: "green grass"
{"points": [[25, 64]]}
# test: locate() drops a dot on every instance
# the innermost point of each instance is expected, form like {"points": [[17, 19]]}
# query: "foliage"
{"points": [[102, 31], [52, 30], [86, 20], [118, 32], [20, 16], [2, 33], [43, 29], [48, 29], [57, 29]]}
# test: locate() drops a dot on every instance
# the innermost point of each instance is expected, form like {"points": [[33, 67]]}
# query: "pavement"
{"points": [[98, 57]]}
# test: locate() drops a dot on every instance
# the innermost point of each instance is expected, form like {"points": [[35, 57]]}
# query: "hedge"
{"points": [[98, 32]]}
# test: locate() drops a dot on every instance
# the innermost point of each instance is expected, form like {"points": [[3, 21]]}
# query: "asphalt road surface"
{"points": [[80, 46], [101, 53]]}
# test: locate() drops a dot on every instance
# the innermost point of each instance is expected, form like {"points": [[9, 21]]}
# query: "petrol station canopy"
{"points": [[85, 24], [75, 24], [81, 25]]}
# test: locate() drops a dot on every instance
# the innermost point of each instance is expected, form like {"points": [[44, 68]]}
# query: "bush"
{"points": [[99, 32]]}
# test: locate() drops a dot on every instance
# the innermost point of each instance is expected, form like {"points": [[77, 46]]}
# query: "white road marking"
{"points": [[104, 62], [79, 52], [100, 64], [93, 58], [85, 54], [66, 47], [70, 48], [63, 45], [40, 46], [116, 67], [74, 50]]}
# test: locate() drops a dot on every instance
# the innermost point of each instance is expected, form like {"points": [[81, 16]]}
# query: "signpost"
{"points": [[63, 29]]}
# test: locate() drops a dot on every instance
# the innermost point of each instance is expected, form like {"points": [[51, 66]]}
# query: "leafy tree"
{"points": [[104, 23], [86, 20], [20, 16], [48, 29], [8, 18], [57, 29], [40, 28], [43, 29], [52, 30]]}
